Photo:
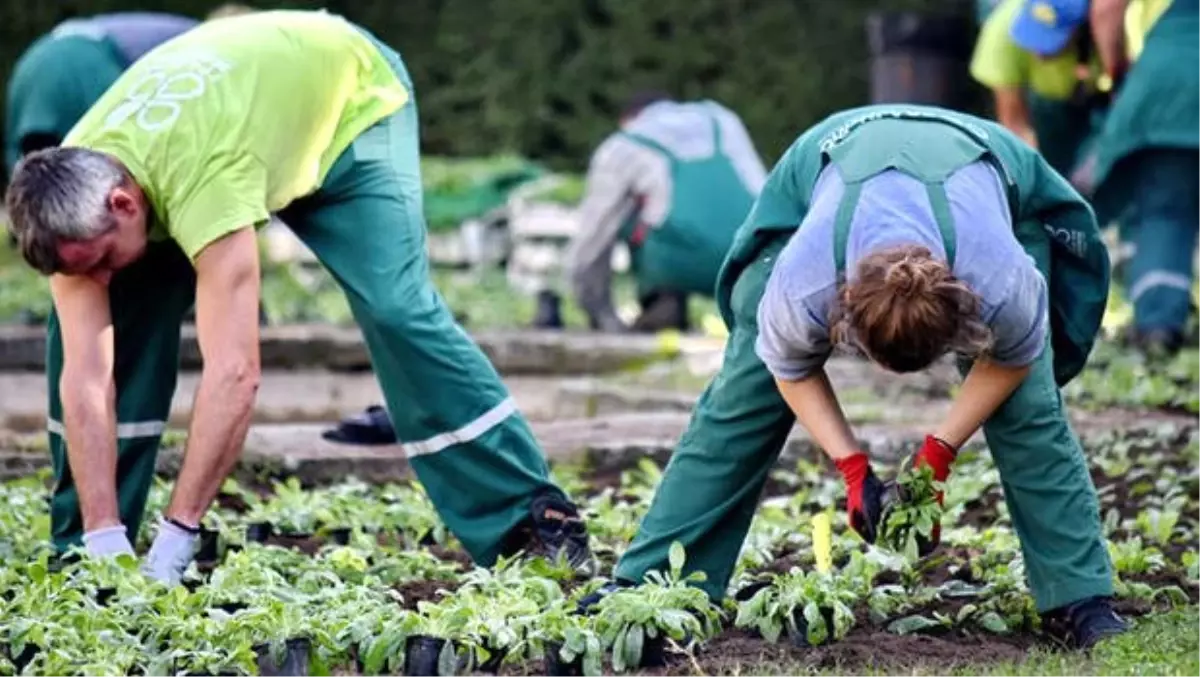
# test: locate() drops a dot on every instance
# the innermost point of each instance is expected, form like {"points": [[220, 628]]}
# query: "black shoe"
{"points": [[588, 601], [1090, 620], [662, 310], [553, 529], [549, 314], [1161, 343], [372, 426]]}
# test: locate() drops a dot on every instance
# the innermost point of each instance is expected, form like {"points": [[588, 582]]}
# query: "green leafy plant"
{"points": [[573, 633], [802, 604], [909, 521], [1130, 556], [665, 605]]}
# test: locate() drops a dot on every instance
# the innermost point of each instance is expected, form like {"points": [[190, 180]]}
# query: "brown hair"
{"points": [[906, 309]]}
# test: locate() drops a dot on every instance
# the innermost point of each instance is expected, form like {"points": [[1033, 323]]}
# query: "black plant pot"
{"points": [[339, 536], [192, 584], [259, 532], [105, 595], [495, 658], [654, 651], [232, 607], [22, 659], [422, 654], [295, 661], [800, 639], [209, 552], [557, 667]]}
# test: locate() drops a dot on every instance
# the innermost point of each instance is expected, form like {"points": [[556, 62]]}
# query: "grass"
{"points": [[1161, 644]]}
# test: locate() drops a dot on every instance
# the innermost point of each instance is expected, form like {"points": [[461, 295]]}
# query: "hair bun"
{"points": [[907, 278]]}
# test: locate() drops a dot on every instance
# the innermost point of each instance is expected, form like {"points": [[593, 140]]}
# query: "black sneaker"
{"points": [[554, 529], [1157, 343], [1090, 620], [549, 313]]}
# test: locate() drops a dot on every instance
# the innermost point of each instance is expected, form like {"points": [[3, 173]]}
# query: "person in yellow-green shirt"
{"points": [[151, 204], [1036, 57], [1146, 160]]}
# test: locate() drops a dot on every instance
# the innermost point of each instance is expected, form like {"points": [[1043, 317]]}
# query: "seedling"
{"points": [[910, 512], [811, 607], [635, 622]]}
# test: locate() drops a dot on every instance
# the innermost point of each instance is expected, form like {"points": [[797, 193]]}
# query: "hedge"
{"points": [[546, 78]]}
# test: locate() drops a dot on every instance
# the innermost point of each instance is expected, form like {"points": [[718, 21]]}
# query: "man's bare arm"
{"points": [[227, 289], [88, 396], [1107, 21], [1012, 112]]}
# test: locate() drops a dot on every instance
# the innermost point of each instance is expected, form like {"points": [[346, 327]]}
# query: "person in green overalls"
{"points": [[673, 184], [1146, 160], [64, 72], [905, 233], [151, 204], [1036, 57]]}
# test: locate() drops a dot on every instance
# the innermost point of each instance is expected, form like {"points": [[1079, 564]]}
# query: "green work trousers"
{"points": [[1163, 232], [468, 445], [713, 482]]}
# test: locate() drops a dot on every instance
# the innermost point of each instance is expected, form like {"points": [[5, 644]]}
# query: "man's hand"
{"points": [[864, 495], [88, 396], [227, 286]]}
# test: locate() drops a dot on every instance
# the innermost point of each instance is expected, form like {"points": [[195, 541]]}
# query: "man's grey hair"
{"points": [[60, 195]]}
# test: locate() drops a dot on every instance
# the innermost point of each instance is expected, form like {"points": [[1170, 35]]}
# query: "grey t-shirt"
{"points": [[893, 209], [134, 33]]}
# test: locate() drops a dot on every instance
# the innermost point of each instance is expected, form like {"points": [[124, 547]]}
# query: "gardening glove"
{"points": [[171, 552], [864, 495], [937, 455], [108, 541]]}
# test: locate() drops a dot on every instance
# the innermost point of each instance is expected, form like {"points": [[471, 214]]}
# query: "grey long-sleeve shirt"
{"points": [[793, 324], [625, 179]]}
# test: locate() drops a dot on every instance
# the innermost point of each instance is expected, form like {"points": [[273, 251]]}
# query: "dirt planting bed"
{"points": [[358, 569]]}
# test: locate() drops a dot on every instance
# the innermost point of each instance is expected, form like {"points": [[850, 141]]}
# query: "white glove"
{"points": [[170, 553], [107, 542]]}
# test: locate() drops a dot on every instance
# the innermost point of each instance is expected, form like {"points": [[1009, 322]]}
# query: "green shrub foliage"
{"points": [[547, 78]]}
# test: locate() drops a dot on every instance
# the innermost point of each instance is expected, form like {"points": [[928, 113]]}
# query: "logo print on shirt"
{"points": [[155, 100]]}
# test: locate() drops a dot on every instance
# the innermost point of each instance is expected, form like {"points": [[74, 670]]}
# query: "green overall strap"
{"points": [[648, 142], [845, 215]]}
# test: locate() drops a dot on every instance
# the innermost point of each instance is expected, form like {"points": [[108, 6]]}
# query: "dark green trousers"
{"points": [[713, 482], [473, 452]]}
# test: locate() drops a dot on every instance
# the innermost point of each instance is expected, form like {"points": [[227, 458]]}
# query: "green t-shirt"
{"points": [[998, 62], [239, 117]]}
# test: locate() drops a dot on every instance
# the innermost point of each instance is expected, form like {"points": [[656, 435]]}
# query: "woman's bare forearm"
{"points": [[815, 405], [986, 387]]}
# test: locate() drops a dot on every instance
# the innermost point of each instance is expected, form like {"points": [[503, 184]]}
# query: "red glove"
{"points": [[937, 455], [864, 495]]}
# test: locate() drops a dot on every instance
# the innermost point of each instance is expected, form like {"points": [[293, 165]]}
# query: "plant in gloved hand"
{"points": [[910, 512]]}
